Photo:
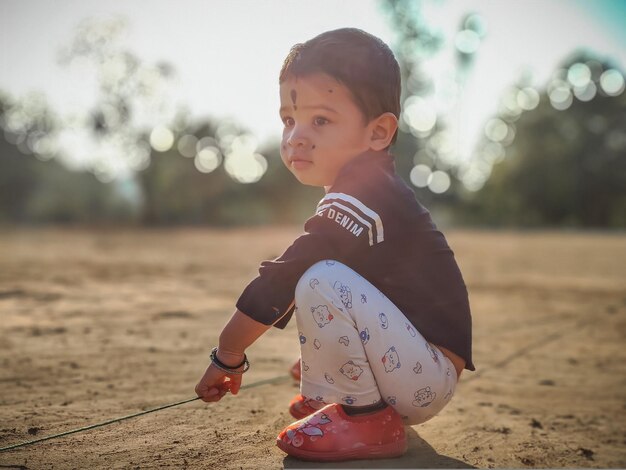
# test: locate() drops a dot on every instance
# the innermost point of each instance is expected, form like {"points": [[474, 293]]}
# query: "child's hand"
{"points": [[215, 383]]}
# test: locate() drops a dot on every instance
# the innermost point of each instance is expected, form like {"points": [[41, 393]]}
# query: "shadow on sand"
{"points": [[419, 455]]}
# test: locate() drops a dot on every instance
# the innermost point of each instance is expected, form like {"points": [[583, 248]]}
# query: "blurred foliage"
{"points": [[416, 42], [130, 175], [175, 192], [559, 168], [170, 190], [36, 191], [564, 167]]}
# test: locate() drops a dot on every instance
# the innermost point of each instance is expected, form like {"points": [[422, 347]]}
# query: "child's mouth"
{"points": [[300, 164]]}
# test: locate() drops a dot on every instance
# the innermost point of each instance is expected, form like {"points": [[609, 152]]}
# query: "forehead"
{"points": [[315, 87]]}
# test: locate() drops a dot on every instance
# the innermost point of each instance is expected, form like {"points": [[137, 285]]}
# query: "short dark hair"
{"points": [[360, 61]]}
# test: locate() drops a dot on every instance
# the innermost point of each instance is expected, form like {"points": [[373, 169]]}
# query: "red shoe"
{"points": [[301, 407], [295, 371], [330, 435]]}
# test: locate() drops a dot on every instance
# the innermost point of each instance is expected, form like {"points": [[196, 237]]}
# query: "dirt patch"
{"points": [[102, 325]]}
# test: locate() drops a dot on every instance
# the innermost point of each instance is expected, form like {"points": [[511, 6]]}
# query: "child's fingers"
{"points": [[235, 384], [213, 394], [210, 394]]}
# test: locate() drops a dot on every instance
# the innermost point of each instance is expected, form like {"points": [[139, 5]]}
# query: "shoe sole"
{"points": [[387, 451], [300, 416]]}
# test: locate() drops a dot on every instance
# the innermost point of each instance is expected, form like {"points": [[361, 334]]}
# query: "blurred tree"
{"points": [[565, 159], [41, 190], [207, 172], [427, 153], [131, 96], [158, 166], [196, 187]]}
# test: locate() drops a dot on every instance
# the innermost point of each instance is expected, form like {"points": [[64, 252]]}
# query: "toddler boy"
{"points": [[381, 307]]}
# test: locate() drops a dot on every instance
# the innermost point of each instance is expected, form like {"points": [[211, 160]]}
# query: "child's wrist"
{"points": [[238, 368], [229, 358]]}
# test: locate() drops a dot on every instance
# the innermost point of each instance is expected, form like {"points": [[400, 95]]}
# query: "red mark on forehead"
{"points": [[330, 90]]}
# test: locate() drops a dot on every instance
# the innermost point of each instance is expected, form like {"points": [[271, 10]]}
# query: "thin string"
{"points": [[86, 428]]}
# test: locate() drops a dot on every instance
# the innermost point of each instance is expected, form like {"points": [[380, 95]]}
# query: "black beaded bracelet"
{"points": [[231, 370]]}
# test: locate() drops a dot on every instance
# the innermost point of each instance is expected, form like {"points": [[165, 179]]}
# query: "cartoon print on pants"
{"points": [[351, 370], [313, 282], [317, 344], [344, 294], [391, 400], [424, 397], [363, 298], [391, 360], [321, 315], [410, 329], [349, 400], [344, 340], [330, 262], [304, 366], [328, 378], [418, 368], [365, 335], [302, 338], [384, 323], [433, 353]]}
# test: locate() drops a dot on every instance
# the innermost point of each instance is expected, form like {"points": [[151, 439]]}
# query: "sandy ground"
{"points": [[101, 324]]}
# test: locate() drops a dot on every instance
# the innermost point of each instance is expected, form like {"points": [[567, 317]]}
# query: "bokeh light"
{"points": [[476, 23], [579, 75], [45, 147], [467, 41], [474, 179], [225, 134], [587, 92], [439, 182], [420, 176], [493, 152], [612, 82], [444, 145], [187, 145], [527, 98], [510, 102], [560, 95], [161, 139], [241, 162], [245, 168], [420, 115], [208, 159], [496, 130]]}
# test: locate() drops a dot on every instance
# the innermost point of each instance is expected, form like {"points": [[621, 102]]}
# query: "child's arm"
{"points": [[239, 333]]}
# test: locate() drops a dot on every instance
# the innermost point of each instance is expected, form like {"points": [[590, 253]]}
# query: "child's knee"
{"points": [[319, 289], [319, 273]]}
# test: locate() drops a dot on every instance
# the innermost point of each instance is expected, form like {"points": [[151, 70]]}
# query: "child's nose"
{"points": [[297, 138]]}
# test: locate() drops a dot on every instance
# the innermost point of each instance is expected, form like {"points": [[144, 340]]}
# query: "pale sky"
{"points": [[227, 54]]}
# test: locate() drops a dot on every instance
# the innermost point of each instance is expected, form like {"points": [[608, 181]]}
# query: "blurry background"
{"points": [[166, 113]]}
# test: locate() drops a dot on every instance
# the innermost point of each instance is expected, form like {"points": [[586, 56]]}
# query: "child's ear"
{"points": [[383, 129]]}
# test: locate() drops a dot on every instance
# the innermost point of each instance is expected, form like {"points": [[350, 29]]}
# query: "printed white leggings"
{"points": [[358, 347]]}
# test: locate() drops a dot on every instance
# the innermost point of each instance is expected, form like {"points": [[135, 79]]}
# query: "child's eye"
{"points": [[287, 121], [320, 121]]}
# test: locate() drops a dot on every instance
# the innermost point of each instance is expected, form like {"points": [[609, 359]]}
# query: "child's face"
{"points": [[323, 128]]}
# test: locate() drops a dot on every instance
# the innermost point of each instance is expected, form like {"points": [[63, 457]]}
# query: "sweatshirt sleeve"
{"points": [[339, 229]]}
